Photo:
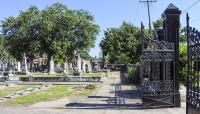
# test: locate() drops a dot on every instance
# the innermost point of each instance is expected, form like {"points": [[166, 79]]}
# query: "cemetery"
{"points": [[46, 66], [22, 72]]}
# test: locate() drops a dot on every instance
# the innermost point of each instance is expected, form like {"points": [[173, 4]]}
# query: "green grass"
{"points": [[54, 92], [9, 90], [92, 74]]}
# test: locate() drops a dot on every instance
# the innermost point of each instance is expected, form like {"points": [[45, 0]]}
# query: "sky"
{"points": [[109, 13]]}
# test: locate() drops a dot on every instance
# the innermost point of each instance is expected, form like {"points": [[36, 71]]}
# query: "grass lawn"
{"points": [[91, 74], [4, 91], [53, 92]]}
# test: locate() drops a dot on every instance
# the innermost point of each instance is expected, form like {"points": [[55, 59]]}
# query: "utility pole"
{"points": [[148, 2]]}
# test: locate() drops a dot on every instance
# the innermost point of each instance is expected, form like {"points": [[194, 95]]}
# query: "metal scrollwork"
{"points": [[151, 44], [157, 87], [193, 80], [154, 50], [157, 71], [157, 55]]}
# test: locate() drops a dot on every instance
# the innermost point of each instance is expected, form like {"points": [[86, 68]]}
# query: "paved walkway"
{"points": [[104, 102], [111, 95], [105, 97]]}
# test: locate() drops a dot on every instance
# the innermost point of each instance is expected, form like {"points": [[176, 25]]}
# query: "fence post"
{"points": [[160, 34], [171, 18]]}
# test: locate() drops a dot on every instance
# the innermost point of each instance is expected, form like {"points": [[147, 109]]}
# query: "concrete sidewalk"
{"points": [[91, 111]]}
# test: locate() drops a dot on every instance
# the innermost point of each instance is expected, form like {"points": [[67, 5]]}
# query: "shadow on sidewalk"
{"points": [[101, 106], [126, 97]]}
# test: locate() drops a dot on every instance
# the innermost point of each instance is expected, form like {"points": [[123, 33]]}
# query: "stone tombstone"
{"points": [[5, 66], [89, 66], [24, 65], [19, 66], [78, 64], [1, 66], [70, 66], [51, 67], [84, 69], [66, 66], [171, 25], [11, 69]]}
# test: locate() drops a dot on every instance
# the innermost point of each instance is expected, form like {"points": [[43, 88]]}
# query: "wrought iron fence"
{"points": [[193, 77]]}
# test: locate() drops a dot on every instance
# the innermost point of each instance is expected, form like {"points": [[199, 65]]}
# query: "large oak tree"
{"points": [[56, 30]]}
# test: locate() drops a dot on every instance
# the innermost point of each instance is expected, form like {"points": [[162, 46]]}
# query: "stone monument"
{"points": [[79, 64], [18, 66], [66, 66], [24, 65], [51, 67], [84, 69]]}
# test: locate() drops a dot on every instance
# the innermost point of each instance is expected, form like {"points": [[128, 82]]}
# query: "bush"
{"points": [[133, 75], [183, 63]]}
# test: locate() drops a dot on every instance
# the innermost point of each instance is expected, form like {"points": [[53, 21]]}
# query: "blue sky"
{"points": [[108, 13]]}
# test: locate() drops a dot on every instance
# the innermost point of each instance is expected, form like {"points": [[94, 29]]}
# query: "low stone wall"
{"points": [[83, 79], [61, 79], [53, 79], [42, 79], [4, 78]]}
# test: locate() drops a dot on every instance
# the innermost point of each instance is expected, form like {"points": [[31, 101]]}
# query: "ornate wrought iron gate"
{"points": [[193, 77], [157, 73]]}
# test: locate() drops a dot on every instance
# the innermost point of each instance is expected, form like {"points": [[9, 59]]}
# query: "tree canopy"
{"points": [[56, 30], [121, 45], [4, 55], [158, 24]]}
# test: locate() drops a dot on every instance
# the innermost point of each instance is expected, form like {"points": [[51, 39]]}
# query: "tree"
{"points": [[121, 45], [183, 37], [63, 31], [57, 31], [183, 55], [4, 55], [183, 62], [157, 24], [20, 37]]}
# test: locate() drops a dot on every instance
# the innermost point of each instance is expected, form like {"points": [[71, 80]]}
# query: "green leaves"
{"points": [[4, 55], [157, 24], [56, 31], [121, 45], [183, 62]]}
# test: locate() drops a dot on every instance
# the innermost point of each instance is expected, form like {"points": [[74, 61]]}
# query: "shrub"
{"points": [[133, 75], [183, 63]]}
